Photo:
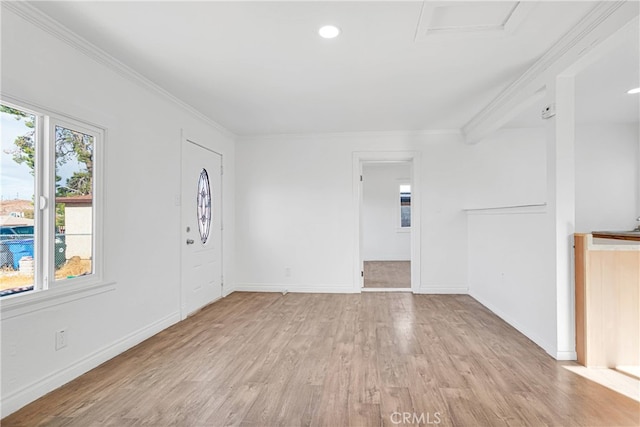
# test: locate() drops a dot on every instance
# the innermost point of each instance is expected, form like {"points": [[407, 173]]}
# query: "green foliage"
{"points": [[16, 113], [25, 151], [72, 144], [80, 182], [69, 144], [60, 215]]}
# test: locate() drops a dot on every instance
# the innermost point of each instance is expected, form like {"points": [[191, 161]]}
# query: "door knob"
{"points": [[189, 241]]}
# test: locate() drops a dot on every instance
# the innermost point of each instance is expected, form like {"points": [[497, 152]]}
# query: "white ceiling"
{"points": [[260, 67], [601, 89]]}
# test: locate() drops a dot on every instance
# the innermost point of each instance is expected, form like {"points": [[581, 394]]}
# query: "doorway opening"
{"points": [[386, 225], [388, 222]]}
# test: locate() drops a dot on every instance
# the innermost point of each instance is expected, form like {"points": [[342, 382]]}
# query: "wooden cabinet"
{"points": [[607, 297]]}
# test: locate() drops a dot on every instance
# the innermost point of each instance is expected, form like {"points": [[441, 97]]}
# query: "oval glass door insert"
{"points": [[204, 206]]}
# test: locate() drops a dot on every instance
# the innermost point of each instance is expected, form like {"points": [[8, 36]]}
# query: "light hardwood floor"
{"points": [[256, 359], [387, 274]]}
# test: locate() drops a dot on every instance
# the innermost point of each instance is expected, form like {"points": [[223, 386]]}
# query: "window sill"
{"points": [[28, 302], [403, 230]]}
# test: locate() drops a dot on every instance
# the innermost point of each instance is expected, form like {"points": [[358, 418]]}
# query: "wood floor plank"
{"points": [[335, 389], [364, 384], [265, 406], [463, 409], [256, 359], [387, 274], [234, 409], [364, 414], [395, 400]]}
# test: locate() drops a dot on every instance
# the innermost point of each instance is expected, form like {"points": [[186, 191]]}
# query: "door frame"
{"points": [[414, 158], [184, 139]]}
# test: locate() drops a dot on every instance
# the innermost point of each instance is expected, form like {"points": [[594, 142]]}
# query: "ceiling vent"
{"points": [[471, 18]]}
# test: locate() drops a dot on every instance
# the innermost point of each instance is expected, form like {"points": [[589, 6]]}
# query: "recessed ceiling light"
{"points": [[632, 91], [329, 31]]}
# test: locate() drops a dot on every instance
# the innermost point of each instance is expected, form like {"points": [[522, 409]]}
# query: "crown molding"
{"points": [[522, 88], [41, 20], [455, 133]]}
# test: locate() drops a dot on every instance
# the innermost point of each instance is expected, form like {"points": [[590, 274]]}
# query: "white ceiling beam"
{"points": [[605, 19]]}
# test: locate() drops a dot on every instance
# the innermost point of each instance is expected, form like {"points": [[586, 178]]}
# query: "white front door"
{"points": [[201, 201]]}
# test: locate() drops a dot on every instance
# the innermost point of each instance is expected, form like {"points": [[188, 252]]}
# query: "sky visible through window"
{"points": [[17, 181]]}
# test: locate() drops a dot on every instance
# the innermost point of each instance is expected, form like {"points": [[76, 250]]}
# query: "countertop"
{"points": [[619, 235]]}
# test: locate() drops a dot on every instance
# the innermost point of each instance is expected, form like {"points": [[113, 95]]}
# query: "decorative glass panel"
{"points": [[204, 206]]}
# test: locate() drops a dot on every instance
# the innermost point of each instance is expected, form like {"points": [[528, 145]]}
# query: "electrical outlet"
{"points": [[61, 339], [287, 272]]}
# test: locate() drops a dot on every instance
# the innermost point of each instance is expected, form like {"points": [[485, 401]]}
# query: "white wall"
{"points": [[510, 271], [607, 184], [295, 203], [382, 237], [507, 168], [510, 264], [512, 258], [141, 220]]}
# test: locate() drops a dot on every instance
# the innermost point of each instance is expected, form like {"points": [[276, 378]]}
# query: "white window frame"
{"points": [[46, 290]]}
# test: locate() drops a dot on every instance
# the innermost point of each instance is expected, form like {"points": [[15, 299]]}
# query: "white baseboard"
{"points": [[566, 355], [453, 290], [37, 389], [229, 291], [292, 288], [329, 289], [546, 346]]}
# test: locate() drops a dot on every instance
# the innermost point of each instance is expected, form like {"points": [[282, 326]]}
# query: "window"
{"points": [[405, 206], [47, 208]]}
